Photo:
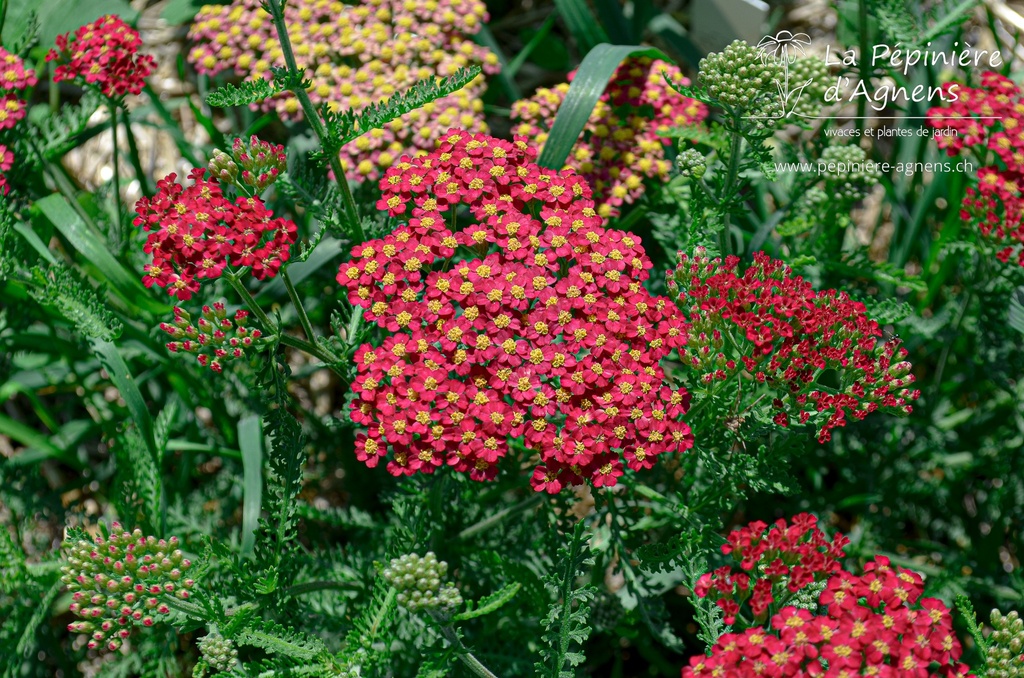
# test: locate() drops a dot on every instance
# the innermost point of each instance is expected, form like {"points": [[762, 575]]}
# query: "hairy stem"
{"points": [[234, 279], [307, 327], [725, 240], [135, 158], [313, 118], [117, 173], [465, 656]]}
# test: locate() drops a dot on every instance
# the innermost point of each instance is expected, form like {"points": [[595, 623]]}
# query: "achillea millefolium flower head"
{"points": [[621, 145], [195, 232], [357, 55], [783, 333], [529, 319], [105, 54], [876, 623], [989, 120], [14, 78]]}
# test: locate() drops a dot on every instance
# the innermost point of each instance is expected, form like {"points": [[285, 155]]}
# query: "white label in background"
{"points": [[716, 23]]}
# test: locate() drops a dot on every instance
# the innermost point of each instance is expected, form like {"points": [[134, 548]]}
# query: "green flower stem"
{"points": [[492, 520], [234, 279], [117, 172], [135, 158], [313, 118], [725, 241], [465, 656], [864, 73], [307, 327]]}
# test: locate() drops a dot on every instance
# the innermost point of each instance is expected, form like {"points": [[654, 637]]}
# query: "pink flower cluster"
{"points": [[621, 144], [356, 55], [794, 555], [195, 232], [873, 624], [14, 78], [528, 319], [989, 121], [214, 339], [782, 333], [104, 54]]}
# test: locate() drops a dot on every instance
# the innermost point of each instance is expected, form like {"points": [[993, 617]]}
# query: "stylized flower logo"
{"points": [[778, 46], [782, 48]]}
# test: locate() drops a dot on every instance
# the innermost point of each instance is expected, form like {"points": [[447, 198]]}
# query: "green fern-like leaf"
{"points": [[897, 20], [491, 603], [347, 126], [888, 311], [248, 92], [73, 299], [8, 263], [54, 135], [278, 640], [364, 644], [13, 574], [565, 625], [287, 456], [143, 486]]}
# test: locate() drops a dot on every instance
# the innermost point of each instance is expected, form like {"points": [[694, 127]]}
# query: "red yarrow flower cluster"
{"points": [[104, 54], [989, 122], [196, 232], [621, 144], [14, 78], [789, 556], [356, 54], [215, 338], [528, 321], [771, 326], [873, 624]]}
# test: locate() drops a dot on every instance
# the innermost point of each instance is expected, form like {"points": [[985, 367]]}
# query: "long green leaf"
{"points": [[112, 361], [92, 246], [1016, 318], [250, 439], [38, 444], [582, 23], [586, 88]]}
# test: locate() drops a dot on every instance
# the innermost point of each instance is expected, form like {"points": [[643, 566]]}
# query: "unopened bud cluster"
{"points": [[418, 581], [120, 581], [1006, 644], [215, 338], [261, 161], [218, 651], [256, 163], [740, 79], [691, 163], [223, 167], [849, 173], [808, 83]]}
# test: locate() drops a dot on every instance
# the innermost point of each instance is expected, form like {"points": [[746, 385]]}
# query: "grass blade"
{"points": [[586, 88], [112, 361], [92, 246], [1016, 319], [582, 23], [250, 439]]}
